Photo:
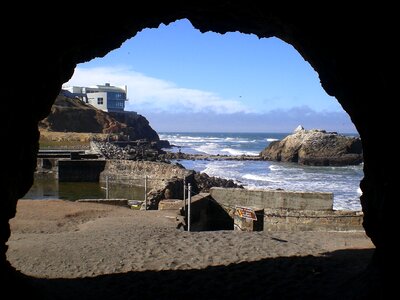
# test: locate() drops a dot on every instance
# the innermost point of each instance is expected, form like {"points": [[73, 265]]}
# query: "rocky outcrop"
{"points": [[73, 115], [204, 182], [137, 126], [315, 148]]}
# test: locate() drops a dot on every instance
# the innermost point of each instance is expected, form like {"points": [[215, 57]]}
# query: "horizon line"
{"points": [[211, 131]]}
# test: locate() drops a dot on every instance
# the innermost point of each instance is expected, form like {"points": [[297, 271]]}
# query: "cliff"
{"points": [[72, 115], [137, 126], [316, 148]]}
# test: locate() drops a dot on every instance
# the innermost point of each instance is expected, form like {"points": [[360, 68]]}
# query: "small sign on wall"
{"points": [[245, 212]]}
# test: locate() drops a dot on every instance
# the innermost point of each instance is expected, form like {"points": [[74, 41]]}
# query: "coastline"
{"points": [[235, 156], [93, 244]]}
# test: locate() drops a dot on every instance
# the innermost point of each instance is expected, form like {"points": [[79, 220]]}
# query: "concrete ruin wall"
{"points": [[164, 181], [273, 199], [158, 174], [289, 211]]}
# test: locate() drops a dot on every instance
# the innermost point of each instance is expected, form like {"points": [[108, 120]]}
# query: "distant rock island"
{"points": [[316, 148]]}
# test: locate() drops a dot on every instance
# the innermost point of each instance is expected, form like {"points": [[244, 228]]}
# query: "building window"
{"points": [[100, 100]]}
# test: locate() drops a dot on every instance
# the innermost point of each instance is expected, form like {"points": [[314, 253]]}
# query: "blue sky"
{"points": [[183, 80]]}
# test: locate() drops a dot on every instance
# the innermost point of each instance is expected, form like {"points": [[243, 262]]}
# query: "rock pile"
{"points": [[138, 150], [205, 182]]}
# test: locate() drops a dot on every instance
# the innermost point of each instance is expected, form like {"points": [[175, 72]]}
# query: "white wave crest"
{"points": [[209, 148], [272, 140], [235, 152], [259, 178], [217, 171], [274, 168], [255, 177]]}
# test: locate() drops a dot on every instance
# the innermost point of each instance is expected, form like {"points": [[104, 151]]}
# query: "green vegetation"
{"points": [[67, 140]]}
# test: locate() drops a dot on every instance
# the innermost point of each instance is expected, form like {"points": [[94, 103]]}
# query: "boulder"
{"points": [[315, 148]]}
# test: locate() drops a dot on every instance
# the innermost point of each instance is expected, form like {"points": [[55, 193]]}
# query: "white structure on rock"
{"points": [[105, 97], [299, 128]]}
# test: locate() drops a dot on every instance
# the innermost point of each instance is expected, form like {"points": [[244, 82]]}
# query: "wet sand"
{"points": [[71, 250]]}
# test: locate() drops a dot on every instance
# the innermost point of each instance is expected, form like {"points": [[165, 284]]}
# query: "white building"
{"points": [[105, 97]]}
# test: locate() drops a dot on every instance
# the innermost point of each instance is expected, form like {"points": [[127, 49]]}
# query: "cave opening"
{"points": [[343, 75], [163, 99], [212, 86]]}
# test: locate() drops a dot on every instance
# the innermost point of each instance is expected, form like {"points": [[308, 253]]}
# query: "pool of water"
{"points": [[50, 188]]}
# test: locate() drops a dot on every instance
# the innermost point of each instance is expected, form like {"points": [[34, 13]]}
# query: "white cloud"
{"points": [[155, 94]]}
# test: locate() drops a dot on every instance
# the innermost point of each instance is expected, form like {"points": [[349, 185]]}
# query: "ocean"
{"points": [[343, 182]]}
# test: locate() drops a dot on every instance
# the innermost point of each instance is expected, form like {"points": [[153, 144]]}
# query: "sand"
{"points": [[73, 250]]}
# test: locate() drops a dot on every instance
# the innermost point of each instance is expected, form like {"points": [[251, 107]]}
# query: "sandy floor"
{"points": [[93, 251]]}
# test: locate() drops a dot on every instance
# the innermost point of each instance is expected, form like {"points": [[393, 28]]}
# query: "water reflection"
{"points": [[50, 188]]}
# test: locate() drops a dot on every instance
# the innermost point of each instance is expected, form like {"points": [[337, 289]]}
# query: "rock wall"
{"points": [[352, 50]]}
